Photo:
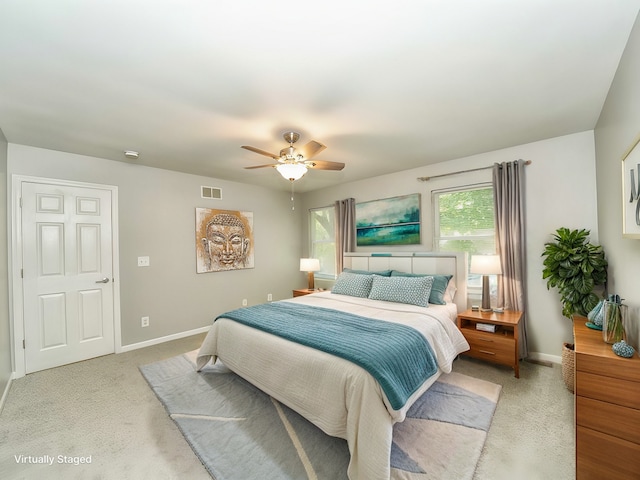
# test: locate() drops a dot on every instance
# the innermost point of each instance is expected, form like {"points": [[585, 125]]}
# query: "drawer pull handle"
{"points": [[488, 353], [490, 340]]}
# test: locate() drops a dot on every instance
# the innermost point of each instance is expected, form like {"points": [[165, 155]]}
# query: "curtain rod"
{"points": [[426, 179]]}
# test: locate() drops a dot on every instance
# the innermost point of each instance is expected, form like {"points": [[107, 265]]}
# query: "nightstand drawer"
{"points": [[490, 346], [496, 341], [491, 355]]}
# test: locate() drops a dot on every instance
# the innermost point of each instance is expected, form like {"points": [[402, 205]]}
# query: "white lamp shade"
{"points": [[292, 171], [309, 265], [485, 265]]}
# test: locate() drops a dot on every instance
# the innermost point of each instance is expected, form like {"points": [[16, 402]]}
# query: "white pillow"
{"points": [[410, 290], [450, 292]]}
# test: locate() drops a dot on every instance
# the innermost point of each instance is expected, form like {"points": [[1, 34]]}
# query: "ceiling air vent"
{"points": [[211, 192]]}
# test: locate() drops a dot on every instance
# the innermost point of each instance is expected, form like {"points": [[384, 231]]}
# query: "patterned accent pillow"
{"points": [[410, 290], [353, 284], [439, 288]]}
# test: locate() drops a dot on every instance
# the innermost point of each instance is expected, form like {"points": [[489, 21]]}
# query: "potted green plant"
{"points": [[575, 267]]}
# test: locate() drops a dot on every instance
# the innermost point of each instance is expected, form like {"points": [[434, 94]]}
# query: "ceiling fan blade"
{"points": [[262, 166], [324, 165], [261, 152], [311, 149]]}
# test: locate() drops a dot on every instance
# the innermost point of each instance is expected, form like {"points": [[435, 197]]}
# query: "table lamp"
{"points": [[310, 265], [485, 265]]}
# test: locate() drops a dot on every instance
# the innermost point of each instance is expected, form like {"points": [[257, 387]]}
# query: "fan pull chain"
{"points": [[293, 205]]}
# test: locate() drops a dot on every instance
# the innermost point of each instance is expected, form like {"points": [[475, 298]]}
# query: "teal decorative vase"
{"points": [[623, 349], [596, 315]]}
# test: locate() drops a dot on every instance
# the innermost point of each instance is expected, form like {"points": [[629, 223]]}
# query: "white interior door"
{"points": [[67, 250]]}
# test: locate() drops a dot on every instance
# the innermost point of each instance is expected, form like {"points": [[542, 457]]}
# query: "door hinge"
{"points": [[22, 273], [20, 202], [24, 345]]}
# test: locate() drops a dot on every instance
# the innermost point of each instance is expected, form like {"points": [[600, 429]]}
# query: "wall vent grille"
{"points": [[211, 192]]}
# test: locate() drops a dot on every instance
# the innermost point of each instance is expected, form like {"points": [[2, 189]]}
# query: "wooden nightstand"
{"points": [[499, 347], [303, 291]]}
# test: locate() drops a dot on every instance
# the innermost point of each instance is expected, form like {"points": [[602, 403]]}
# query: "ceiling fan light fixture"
{"points": [[290, 153], [292, 171], [291, 163]]}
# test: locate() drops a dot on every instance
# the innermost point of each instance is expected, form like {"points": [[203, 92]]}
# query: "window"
{"points": [[323, 240], [464, 222]]}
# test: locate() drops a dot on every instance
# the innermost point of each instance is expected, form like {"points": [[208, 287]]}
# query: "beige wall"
{"points": [[5, 338], [560, 192], [618, 126], [157, 219]]}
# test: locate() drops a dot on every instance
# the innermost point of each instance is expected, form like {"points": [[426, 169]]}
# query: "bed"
{"points": [[340, 397]]}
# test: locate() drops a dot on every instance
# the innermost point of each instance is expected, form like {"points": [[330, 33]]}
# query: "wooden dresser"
{"points": [[607, 408]]}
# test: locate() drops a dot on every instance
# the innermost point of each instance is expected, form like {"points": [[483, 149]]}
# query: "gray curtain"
{"points": [[345, 229], [508, 197]]}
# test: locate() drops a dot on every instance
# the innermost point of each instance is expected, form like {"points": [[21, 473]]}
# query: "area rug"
{"points": [[240, 433]]}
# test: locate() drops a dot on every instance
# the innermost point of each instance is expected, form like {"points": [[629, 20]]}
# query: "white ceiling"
{"points": [[387, 86]]}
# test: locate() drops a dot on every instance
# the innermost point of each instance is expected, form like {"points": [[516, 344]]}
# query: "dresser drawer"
{"points": [[608, 389], [621, 422], [600, 456], [606, 362]]}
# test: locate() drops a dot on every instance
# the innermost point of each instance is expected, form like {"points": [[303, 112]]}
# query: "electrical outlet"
{"points": [[144, 322], [244, 302], [269, 297], [143, 261]]}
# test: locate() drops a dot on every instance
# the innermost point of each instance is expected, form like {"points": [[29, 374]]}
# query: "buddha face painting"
{"points": [[226, 241]]}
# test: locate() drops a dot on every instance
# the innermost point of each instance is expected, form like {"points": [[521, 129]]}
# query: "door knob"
{"points": [[104, 280]]}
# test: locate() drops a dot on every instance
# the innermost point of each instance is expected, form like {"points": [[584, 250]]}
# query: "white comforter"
{"points": [[337, 396]]}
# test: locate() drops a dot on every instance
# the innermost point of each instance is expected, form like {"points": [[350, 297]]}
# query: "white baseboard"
{"points": [[544, 357], [156, 341], [6, 392]]}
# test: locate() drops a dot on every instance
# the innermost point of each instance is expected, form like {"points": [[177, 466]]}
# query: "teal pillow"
{"points": [[353, 284], [410, 290], [438, 289], [382, 273]]}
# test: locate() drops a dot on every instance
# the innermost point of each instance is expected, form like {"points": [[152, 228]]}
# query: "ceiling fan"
{"points": [[293, 163]]}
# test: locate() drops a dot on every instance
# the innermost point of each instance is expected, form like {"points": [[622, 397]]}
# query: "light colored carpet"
{"points": [[104, 407], [238, 432], [101, 408], [532, 435]]}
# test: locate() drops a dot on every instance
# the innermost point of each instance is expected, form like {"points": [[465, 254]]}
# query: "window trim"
{"points": [[312, 243]]}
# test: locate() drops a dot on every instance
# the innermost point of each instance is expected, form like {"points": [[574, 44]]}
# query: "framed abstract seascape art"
{"points": [[224, 240], [631, 191], [390, 221]]}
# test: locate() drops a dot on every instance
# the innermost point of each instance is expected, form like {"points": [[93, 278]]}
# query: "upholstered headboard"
{"points": [[443, 263]]}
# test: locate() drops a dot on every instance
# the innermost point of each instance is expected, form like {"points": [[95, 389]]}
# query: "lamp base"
{"points": [[311, 285], [486, 297]]}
